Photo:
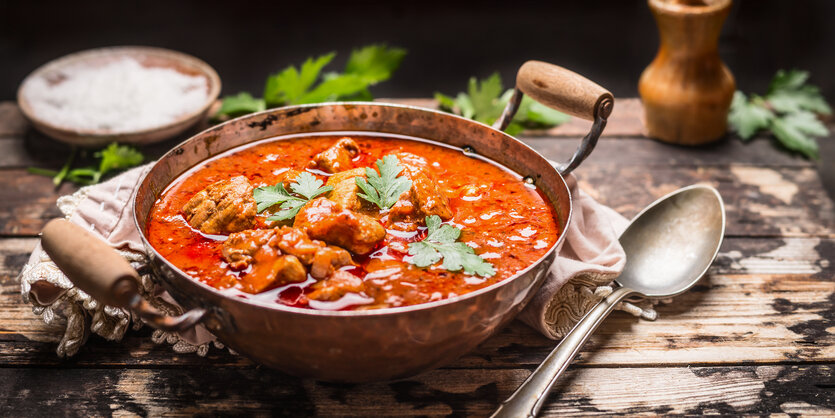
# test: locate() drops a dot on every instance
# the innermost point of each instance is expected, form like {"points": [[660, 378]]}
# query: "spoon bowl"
{"points": [[669, 246]]}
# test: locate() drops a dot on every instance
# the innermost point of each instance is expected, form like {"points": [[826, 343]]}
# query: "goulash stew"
{"points": [[350, 222]]}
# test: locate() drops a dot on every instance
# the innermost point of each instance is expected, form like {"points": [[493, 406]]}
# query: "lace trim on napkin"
{"points": [[64, 305]]}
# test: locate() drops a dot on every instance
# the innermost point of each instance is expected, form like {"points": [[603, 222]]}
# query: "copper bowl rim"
{"points": [[273, 306]]}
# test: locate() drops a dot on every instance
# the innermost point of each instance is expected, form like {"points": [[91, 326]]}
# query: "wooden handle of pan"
{"points": [[91, 264], [564, 90]]}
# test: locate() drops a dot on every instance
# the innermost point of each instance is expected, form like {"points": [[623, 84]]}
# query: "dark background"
{"points": [[609, 41]]}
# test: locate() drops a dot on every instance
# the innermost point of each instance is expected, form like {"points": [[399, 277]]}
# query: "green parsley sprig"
{"points": [[384, 188], [114, 158], [305, 187], [440, 243], [366, 67], [787, 110], [485, 100]]}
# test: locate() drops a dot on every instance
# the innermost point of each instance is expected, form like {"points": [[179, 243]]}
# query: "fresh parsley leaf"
{"points": [[485, 101], [748, 117], [114, 157], [796, 132], [384, 188], [118, 157], [305, 185], [374, 63], [309, 186], [440, 243], [786, 110], [241, 104], [308, 83], [290, 85]]}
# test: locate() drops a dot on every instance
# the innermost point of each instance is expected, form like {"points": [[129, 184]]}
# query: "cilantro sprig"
{"points": [[787, 111], [113, 158], [440, 243], [308, 83], [485, 100], [384, 188], [305, 187]]}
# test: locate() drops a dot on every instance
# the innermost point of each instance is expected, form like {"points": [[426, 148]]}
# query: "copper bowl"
{"points": [[356, 346]]}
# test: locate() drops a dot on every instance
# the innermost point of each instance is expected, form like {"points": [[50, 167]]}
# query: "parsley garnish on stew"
{"points": [[440, 243], [384, 188], [305, 188]]}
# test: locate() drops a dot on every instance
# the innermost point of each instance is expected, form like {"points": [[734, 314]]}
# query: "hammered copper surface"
{"points": [[356, 346]]}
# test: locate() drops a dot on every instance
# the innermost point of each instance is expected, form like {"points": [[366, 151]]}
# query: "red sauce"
{"points": [[508, 222]]}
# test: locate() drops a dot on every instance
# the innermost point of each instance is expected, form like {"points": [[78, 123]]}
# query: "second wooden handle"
{"points": [[564, 90], [91, 264]]}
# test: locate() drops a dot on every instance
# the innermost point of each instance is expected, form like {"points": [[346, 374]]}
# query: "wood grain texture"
{"points": [[222, 391]]}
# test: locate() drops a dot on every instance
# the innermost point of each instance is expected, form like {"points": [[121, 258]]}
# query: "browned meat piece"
{"points": [[426, 194], [326, 220], [345, 189], [327, 260], [423, 199], [225, 206], [338, 157], [278, 256], [259, 250], [294, 241], [336, 286], [239, 249]]}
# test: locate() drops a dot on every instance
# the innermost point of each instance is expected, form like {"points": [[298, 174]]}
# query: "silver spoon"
{"points": [[668, 246]]}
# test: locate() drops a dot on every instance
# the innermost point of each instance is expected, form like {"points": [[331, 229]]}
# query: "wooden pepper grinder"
{"points": [[687, 90]]}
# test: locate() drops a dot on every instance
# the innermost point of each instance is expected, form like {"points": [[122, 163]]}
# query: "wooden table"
{"points": [[754, 336]]}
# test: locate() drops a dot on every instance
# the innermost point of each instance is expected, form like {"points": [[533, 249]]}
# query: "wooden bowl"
{"points": [[147, 57]]}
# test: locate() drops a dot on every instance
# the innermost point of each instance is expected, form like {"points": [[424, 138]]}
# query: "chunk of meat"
{"points": [[426, 194], [259, 250], [224, 207], [294, 241], [279, 256], [423, 199], [336, 286], [327, 260], [338, 157], [238, 250], [326, 220], [345, 189]]}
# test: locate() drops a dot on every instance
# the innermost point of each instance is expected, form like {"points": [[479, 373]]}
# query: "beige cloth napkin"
{"points": [[590, 259]]}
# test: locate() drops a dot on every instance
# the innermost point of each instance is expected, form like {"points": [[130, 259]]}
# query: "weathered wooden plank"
{"points": [[12, 122], [764, 301], [641, 152], [27, 202], [760, 201], [582, 391]]}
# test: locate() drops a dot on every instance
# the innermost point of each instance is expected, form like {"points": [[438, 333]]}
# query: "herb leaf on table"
{"points": [[305, 186], [114, 157], [440, 243], [485, 100], [384, 188], [787, 111], [309, 83]]}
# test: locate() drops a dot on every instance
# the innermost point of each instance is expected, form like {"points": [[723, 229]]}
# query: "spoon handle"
{"points": [[531, 395]]}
